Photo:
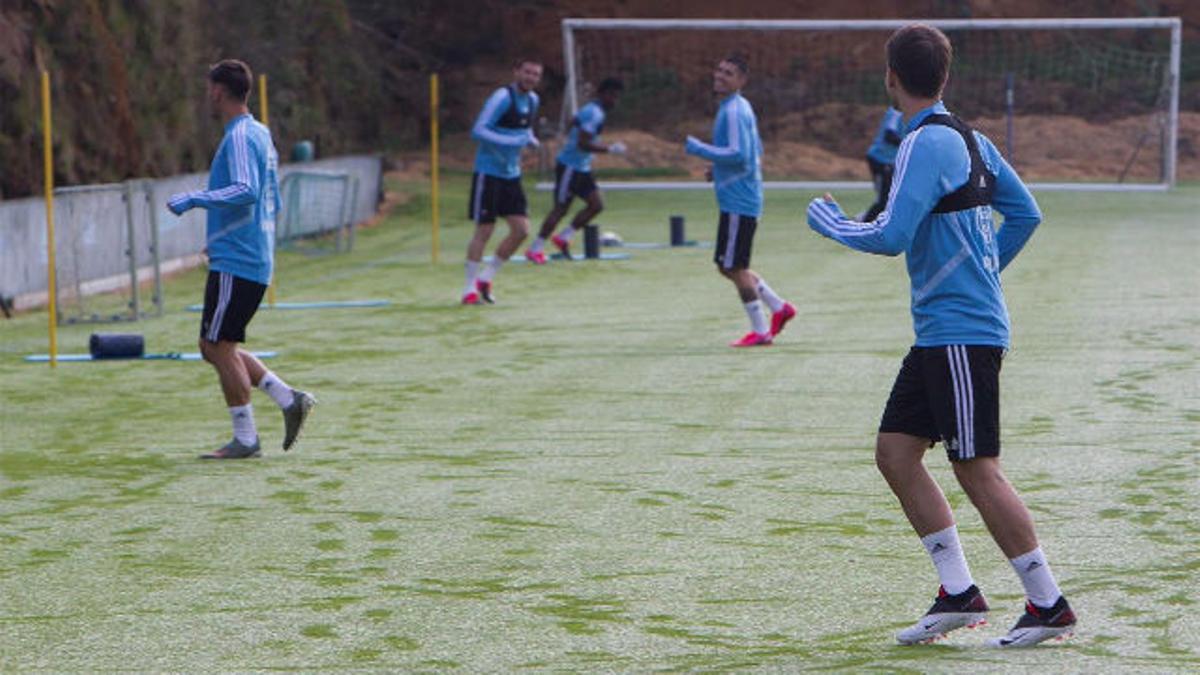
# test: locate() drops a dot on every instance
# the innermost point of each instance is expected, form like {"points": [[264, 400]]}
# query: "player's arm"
{"points": [[1013, 201], [243, 176], [910, 201], [735, 153], [485, 128]]}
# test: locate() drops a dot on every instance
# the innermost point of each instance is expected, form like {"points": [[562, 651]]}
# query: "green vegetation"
{"points": [[585, 478]]}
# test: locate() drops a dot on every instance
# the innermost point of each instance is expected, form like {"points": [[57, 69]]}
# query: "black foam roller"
{"points": [[116, 346]]}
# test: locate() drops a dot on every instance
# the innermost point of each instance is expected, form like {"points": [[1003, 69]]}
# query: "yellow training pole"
{"points": [[433, 157], [48, 160], [266, 120]]}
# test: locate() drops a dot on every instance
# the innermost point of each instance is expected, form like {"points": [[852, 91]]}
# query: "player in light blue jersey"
{"points": [[573, 172], [948, 180], [881, 159], [242, 200], [736, 173], [504, 127]]}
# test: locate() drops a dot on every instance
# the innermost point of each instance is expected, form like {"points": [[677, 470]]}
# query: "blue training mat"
{"points": [[324, 304], [164, 356], [657, 245]]}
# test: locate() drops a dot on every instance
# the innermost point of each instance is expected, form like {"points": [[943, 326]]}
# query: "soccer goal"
{"points": [[107, 250], [1075, 104], [317, 211]]}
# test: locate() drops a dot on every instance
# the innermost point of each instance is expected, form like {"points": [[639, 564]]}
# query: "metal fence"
{"points": [[93, 228]]}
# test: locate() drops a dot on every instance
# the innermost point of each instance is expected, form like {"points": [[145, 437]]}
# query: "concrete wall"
{"points": [[92, 227]]}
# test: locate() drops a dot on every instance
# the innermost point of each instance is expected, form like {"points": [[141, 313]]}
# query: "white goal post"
{"points": [[1114, 56]]}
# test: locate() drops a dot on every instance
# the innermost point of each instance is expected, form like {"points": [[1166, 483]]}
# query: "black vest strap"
{"points": [[513, 119], [981, 183]]}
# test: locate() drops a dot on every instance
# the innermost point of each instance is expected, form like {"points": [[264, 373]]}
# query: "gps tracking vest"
{"points": [[981, 183], [513, 119]]}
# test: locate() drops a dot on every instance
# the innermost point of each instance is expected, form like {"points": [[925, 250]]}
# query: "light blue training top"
{"points": [[590, 118], [954, 259], [242, 200], [736, 154], [887, 137], [504, 126]]}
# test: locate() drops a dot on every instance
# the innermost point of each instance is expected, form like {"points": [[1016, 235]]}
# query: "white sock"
{"points": [[276, 389], [567, 233], [538, 243], [472, 267], [489, 272], [1037, 578], [943, 546], [243, 423], [764, 291], [758, 320]]}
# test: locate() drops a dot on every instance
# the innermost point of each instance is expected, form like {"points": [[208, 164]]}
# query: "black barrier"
{"points": [[116, 346], [591, 241], [678, 236]]}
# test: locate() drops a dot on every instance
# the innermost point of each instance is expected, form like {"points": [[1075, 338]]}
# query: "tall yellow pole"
{"points": [[48, 161], [266, 120], [433, 158]]}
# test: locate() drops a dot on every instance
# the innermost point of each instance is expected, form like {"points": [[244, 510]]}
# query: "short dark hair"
{"points": [[610, 84], [739, 60], [920, 55], [234, 75], [517, 63]]}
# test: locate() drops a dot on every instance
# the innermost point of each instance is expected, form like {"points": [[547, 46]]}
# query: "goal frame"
{"points": [[1175, 24]]}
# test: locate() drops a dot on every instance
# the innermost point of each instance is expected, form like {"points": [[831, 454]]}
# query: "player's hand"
{"points": [[533, 141], [617, 148], [708, 173], [829, 198], [180, 203], [691, 144]]}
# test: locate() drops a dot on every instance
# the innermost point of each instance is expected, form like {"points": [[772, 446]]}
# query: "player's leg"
{"points": [[583, 186], [511, 205], [907, 430], [735, 236], [974, 373], [782, 311], [481, 209], [562, 203], [229, 304], [294, 403], [881, 177]]}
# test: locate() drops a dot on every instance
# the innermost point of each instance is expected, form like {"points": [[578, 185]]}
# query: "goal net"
{"points": [[317, 210], [1072, 103]]}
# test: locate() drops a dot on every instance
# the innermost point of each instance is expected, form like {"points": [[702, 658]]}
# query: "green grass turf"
{"points": [[585, 478]]}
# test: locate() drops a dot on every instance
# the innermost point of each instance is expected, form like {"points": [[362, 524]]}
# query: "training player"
{"points": [[939, 214], [242, 199], [573, 172], [503, 128], [881, 158], [736, 172]]}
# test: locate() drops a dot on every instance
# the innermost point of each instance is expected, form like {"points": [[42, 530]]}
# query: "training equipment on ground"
{"points": [[116, 346], [161, 356], [1083, 104], [611, 239], [313, 305]]}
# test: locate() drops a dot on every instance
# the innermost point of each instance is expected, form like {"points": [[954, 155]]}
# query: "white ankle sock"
{"points": [[276, 389], [489, 272], [243, 423], [764, 291], [538, 243], [758, 320], [567, 233], [1037, 578], [472, 267], [945, 549]]}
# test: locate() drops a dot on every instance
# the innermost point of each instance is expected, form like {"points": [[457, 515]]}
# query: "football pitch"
{"points": [[585, 478]]}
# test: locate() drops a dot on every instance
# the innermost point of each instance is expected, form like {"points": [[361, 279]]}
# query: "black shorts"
{"points": [[570, 182], [735, 236], [492, 197], [229, 304], [949, 394]]}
